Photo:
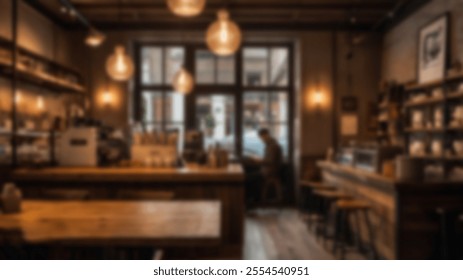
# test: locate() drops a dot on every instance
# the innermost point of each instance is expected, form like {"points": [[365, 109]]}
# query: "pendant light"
{"points": [[186, 8], [223, 36], [119, 65], [94, 38], [183, 81]]}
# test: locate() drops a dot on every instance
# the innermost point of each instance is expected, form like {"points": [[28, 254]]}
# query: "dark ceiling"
{"points": [[250, 14]]}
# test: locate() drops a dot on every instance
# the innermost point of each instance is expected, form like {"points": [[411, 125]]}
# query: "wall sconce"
{"points": [[318, 98], [40, 104], [18, 98], [107, 98]]}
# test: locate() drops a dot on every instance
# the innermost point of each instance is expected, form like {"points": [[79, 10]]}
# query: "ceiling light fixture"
{"points": [[223, 36], [183, 81], [119, 65], [186, 8], [94, 38]]}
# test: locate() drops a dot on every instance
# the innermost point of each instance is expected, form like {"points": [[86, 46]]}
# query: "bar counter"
{"points": [[137, 183], [404, 215]]}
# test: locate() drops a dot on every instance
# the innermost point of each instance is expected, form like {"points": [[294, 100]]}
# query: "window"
{"points": [[265, 66], [161, 108], [264, 110], [213, 70], [255, 81]]}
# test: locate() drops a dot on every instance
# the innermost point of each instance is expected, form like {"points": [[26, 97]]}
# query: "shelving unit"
{"points": [[444, 95], [389, 118], [40, 71]]}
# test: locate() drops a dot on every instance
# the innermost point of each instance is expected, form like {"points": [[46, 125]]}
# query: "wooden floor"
{"points": [[281, 234]]}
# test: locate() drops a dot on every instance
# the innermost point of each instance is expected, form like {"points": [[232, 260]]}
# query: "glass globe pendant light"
{"points": [[183, 81], [186, 8], [119, 65], [223, 36]]}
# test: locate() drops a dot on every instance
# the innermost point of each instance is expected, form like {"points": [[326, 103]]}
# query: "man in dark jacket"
{"points": [[271, 165]]}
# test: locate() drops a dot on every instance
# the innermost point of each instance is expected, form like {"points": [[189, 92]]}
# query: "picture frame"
{"points": [[433, 49]]}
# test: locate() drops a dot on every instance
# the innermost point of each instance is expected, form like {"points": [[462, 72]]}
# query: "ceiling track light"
{"points": [[94, 37], [186, 8]]}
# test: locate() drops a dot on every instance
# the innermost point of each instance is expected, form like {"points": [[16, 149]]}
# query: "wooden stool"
{"points": [[326, 199], [345, 209], [310, 201]]}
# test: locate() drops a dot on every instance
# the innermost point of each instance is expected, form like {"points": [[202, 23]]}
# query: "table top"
{"points": [[233, 172], [94, 223]]}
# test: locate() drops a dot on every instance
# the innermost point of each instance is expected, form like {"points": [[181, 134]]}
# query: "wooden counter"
{"points": [[404, 215], [116, 223], [232, 173], [225, 185]]}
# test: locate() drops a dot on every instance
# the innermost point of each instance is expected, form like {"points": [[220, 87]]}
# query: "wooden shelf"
{"points": [[455, 128], [429, 157], [434, 84], [25, 133], [424, 130], [458, 95], [41, 80], [425, 102]]}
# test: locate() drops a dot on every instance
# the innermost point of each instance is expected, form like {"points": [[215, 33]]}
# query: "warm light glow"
{"points": [[183, 81], [94, 38], [223, 36], [318, 98], [186, 8], [107, 98], [40, 103], [18, 98], [119, 65]]}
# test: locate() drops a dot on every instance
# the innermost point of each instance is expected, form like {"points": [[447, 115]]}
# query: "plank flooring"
{"points": [[282, 234]]}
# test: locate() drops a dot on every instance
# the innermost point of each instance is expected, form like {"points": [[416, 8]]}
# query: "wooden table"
{"points": [[130, 183], [117, 223]]}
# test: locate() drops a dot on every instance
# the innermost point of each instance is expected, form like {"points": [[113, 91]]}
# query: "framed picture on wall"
{"points": [[433, 50]]}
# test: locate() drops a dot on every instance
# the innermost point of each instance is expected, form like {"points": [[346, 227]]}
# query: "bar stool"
{"points": [[310, 201], [344, 210], [326, 200]]}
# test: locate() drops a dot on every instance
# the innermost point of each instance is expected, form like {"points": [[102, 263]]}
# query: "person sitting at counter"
{"points": [[269, 174]]}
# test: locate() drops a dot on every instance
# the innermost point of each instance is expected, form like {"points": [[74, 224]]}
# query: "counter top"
{"points": [[383, 182], [232, 173], [373, 179]]}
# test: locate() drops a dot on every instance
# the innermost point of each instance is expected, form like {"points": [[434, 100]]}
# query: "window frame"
{"points": [[238, 89]]}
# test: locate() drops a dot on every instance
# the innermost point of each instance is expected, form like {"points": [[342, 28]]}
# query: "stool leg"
{"points": [[370, 235], [357, 233], [343, 234], [337, 219]]}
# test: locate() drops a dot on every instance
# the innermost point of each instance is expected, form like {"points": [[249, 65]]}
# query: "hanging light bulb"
{"points": [[183, 81], [223, 36], [186, 8], [119, 65], [94, 38]]}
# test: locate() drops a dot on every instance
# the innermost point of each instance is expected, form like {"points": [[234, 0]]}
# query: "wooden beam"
{"points": [[323, 5], [255, 26]]}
